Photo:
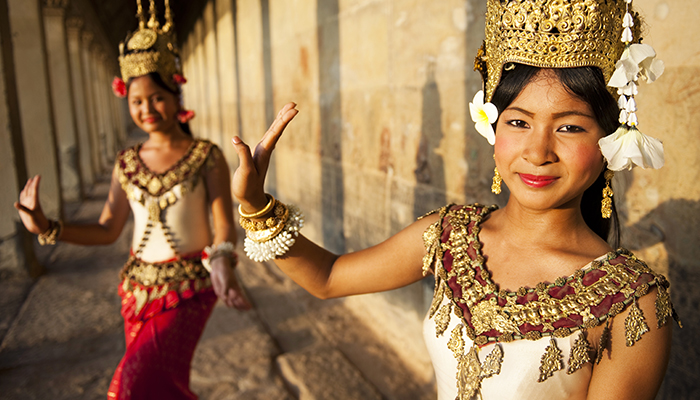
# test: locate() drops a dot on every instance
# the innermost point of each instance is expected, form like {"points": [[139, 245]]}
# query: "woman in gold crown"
{"points": [[176, 268], [531, 300]]}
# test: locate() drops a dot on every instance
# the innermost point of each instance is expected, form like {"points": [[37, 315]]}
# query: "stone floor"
{"points": [[61, 336]]}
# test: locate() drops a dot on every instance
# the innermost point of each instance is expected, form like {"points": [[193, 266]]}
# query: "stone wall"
{"points": [[384, 134]]}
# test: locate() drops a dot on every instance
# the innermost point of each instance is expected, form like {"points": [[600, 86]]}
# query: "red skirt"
{"points": [[159, 350]]}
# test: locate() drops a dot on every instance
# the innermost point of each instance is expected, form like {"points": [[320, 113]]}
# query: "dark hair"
{"points": [[159, 81], [588, 84]]}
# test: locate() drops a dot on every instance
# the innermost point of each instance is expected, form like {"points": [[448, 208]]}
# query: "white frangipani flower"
{"points": [[483, 116], [638, 60], [627, 147]]}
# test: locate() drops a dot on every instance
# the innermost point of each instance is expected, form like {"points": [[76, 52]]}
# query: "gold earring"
{"points": [[606, 204], [496, 185]]}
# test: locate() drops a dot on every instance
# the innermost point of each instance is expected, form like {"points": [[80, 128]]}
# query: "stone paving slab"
{"points": [[14, 292], [320, 372]]}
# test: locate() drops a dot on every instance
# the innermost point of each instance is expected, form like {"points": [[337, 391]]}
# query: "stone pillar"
{"points": [[33, 91], [212, 71], [16, 247], [62, 98], [228, 74], [249, 26], [192, 96], [200, 83], [100, 124], [103, 86], [85, 60], [74, 26]]}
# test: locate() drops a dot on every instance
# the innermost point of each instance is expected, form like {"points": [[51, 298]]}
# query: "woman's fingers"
{"points": [[238, 300], [244, 156], [285, 115], [263, 151], [20, 207]]}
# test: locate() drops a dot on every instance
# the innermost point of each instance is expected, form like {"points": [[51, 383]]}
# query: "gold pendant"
{"points": [[663, 306], [154, 210], [442, 319], [456, 342], [551, 361], [580, 354], [470, 372], [635, 326], [603, 342]]}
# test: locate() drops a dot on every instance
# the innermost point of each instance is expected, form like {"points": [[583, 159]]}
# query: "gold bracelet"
{"points": [[280, 212], [258, 214], [51, 235], [264, 235]]}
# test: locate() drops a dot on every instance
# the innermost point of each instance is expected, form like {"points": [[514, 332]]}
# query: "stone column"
{"points": [[192, 91], [74, 26], [228, 74], [200, 81], [90, 101], [62, 98], [16, 247], [100, 126], [212, 72], [103, 85], [249, 27], [33, 91]]}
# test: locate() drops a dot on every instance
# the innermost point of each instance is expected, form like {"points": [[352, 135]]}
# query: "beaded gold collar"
{"points": [[133, 170], [589, 298]]}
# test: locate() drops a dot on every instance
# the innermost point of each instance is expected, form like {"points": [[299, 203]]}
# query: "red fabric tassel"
{"points": [[172, 299]]}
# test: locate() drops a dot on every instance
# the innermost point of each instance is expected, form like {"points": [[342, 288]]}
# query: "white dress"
{"points": [[171, 227]]}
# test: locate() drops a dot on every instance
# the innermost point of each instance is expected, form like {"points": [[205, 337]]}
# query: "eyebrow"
{"points": [[556, 115]]}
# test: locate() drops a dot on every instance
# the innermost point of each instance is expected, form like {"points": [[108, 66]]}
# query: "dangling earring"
{"points": [[606, 204], [496, 185]]}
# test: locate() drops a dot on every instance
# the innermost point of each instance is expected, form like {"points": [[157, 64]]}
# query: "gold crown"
{"points": [[151, 48], [551, 34]]}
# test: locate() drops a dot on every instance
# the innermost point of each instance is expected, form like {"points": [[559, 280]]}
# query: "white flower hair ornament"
{"points": [[627, 146], [483, 116]]}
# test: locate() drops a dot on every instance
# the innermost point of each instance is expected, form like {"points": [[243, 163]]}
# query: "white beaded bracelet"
{"points": [[280, 244], [222, 249]]}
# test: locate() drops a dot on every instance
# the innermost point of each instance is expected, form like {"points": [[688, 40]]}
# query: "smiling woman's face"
{"points": [[152, 108], [547, 145]]}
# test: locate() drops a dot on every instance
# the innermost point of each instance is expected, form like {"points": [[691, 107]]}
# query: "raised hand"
{"points": [[29, 208], [249, 178]]}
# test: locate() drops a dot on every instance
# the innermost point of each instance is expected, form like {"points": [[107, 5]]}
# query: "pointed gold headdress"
{"points": [[551, 34], [151, 48]]}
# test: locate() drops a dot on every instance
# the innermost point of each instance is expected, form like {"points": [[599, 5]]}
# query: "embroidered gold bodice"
{"points": [[589, 298], [171, 223]]}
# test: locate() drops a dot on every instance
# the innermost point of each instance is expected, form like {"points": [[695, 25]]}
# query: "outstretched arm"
{"points": [[105, 231], [223, 279], [392, 264]]}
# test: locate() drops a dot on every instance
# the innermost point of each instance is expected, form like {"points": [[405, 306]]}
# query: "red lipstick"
{"points": [[537, 181]]}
